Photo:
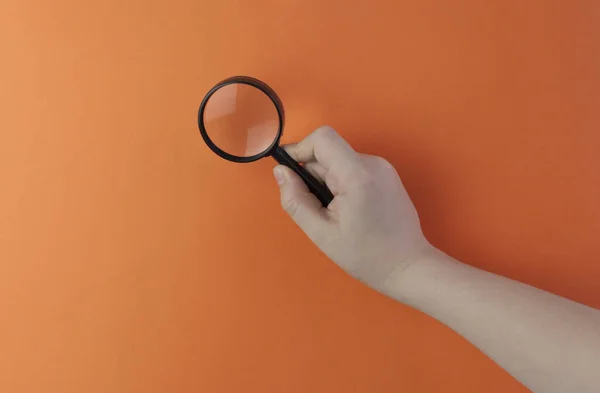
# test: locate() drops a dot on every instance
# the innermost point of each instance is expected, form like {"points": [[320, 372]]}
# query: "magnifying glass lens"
{"points": [[241, 120]]}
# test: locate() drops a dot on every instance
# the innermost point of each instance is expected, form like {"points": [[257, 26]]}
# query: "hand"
{"points": [[371, 228], [372, 231]]}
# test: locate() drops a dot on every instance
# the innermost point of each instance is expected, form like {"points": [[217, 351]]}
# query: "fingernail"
{"points": [[279, 175]]}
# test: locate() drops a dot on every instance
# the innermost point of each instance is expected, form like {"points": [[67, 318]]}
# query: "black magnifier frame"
{"points": [[274, 150]]}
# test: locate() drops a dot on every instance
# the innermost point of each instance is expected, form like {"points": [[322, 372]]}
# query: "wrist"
{"points": [[414, 274]]}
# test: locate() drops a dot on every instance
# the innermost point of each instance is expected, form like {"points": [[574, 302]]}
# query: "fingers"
{"points": [[328, 148], [304, 208], [324, 176], [317, 170]]}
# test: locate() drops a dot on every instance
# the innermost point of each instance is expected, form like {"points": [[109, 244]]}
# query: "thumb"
{"points": [[304, 208]]}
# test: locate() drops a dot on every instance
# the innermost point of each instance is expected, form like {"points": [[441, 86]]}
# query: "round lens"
{"points": [[241, 120]]}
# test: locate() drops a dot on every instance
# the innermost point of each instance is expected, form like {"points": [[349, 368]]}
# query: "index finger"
{"points": [[328, 148]]}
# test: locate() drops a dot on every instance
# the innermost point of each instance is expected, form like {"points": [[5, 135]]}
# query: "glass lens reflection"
{"points": [[241, 120]]}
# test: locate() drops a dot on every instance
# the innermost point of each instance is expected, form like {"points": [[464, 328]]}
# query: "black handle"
{"points": [[316, 187]]}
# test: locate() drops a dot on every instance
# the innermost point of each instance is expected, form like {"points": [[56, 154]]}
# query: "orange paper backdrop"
{"points": [[132, 259]]}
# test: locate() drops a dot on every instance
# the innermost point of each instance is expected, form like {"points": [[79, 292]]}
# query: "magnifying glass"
{"points": [[241, 119]]}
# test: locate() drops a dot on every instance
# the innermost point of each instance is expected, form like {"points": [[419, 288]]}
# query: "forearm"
{"points": [[549, 343]]}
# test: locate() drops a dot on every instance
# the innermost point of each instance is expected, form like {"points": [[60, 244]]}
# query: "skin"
{"points": [[372, 231]]}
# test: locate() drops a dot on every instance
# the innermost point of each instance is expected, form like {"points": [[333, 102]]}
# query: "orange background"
{"points": [[132, 259]]}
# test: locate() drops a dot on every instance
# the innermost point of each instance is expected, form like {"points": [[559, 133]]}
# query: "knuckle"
{"points": [[290, 206], [382, 162], [363, 179], [376, 161], [324, 132], [292, 150], [378, 166]]}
